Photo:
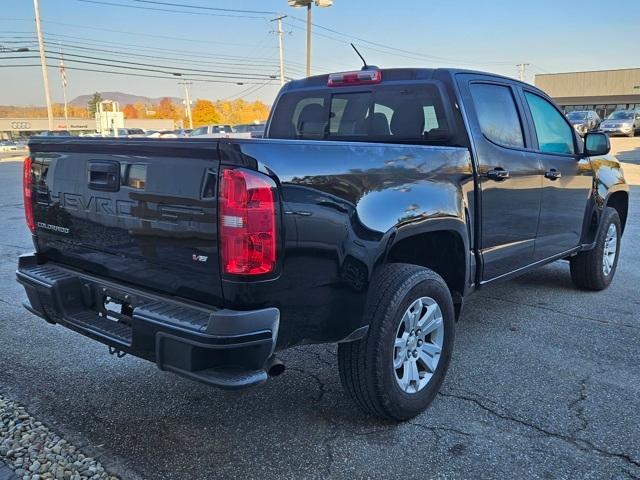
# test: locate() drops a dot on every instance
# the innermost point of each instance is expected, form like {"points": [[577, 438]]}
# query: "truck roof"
{"points": [[401, 74]]}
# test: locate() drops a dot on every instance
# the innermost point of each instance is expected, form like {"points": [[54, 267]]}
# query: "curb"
{"points": [[6, 473]]}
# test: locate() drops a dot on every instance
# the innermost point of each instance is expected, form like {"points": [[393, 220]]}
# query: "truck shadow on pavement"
{"points": [[302, 424]]}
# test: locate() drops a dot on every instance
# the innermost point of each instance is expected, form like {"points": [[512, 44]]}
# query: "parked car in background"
{"points": [[8, 146], [622, 122], [53, 133], [130, 132], [166, 134], [248, 130], [584, 121], [213, 131]]}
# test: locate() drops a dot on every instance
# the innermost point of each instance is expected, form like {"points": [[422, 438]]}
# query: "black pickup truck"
{"points": [[377, 202]]}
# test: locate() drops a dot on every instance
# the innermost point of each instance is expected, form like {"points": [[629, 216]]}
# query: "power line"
{"points": [[143, 48], [139, 34], [130, 74], [111, 4], [172, 69], [206, 8], [248, 91], [171, 74], [331, 30]]}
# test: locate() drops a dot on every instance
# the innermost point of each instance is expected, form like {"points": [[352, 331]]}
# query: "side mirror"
{"points": [[596, 144]]}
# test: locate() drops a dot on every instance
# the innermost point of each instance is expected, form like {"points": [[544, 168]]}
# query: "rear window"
{"points": [[396, 114]]}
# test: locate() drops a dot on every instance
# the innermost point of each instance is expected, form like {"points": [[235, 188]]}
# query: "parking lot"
{"points": [[544, 383]]}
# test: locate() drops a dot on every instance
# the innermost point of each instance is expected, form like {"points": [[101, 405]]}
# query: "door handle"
{"points": [[104, 175], [553, 174], [498, 174]]}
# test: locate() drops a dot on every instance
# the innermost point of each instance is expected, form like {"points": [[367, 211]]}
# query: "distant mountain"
{"points": [[122, 98]]}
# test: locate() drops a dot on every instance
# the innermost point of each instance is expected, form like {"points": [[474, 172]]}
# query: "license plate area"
{"points": [[116, 309]]}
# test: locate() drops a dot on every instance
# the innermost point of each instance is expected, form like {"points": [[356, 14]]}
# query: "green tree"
{"points": [[92, 105]]}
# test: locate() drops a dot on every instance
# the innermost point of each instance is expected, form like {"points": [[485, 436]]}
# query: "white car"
{"points": [[8, 147], [212, 131]]}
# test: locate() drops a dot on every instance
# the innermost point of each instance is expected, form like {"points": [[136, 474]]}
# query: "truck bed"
{"points": [[154, 224]]}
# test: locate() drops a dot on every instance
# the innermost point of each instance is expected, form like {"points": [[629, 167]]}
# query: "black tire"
{"points": [[366, 366], [587, 270]]}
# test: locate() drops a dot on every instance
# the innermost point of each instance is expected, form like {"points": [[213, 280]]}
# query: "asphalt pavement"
{"points": [[544, 383]]}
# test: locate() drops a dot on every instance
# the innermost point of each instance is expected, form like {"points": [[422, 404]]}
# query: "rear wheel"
{"points": [[395, 371], [595, 268]]}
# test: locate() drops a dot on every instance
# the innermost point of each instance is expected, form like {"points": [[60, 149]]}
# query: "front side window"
{"points": [[554, 134], [497, 114]]}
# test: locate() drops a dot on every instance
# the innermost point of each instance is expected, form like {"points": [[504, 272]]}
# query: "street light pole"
{"points": [[307, 4], [43, 63]]}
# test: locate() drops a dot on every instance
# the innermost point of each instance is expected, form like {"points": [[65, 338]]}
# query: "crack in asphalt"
{"points": [[577, 406], [579, 443], [572, 315], [322, 389]]}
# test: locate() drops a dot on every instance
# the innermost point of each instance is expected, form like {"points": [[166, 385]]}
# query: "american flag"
{"points": [[63, 74]]}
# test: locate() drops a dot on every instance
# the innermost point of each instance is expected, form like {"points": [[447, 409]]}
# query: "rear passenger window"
{"points": [[497, 114], [553, 132], [309, 118], [395, 113]]}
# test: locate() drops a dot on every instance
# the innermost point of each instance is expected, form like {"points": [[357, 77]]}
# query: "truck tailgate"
{"points": [[139, 210]]}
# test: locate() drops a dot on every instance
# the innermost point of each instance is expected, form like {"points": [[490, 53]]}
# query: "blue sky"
{"points": [[551, 35]]}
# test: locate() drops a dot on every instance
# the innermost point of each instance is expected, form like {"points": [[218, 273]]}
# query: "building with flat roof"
{"points": [[25, 127], [603, 90]]}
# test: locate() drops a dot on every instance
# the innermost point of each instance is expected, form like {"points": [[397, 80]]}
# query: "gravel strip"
{"points": [[36, 453]]}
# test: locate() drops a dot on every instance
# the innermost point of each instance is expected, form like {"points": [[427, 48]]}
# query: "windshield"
{"points": [[577, 115], [620, 115], [394, 114]]}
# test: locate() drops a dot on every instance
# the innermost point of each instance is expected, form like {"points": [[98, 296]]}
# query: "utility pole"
{"points": [[43, 63], [521, 68], [187, 101], [63, 78], [280, 48], [309, 39]]}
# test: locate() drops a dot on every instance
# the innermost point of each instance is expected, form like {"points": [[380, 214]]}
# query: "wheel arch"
{"points": [[443, 249], [619, 200]]}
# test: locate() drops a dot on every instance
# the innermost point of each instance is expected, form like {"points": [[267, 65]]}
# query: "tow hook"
{"points": [[118, 353]]}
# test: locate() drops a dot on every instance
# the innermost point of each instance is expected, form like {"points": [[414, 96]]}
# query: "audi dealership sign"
{"points": [[21, 125], [15, 125]]}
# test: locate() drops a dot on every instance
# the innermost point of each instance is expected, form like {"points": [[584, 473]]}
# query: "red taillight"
{"points": [[359, 77], [26, 193], [247, 222]]}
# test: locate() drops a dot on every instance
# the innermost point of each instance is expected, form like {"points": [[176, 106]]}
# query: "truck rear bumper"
{"points": [[222, 348]]}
